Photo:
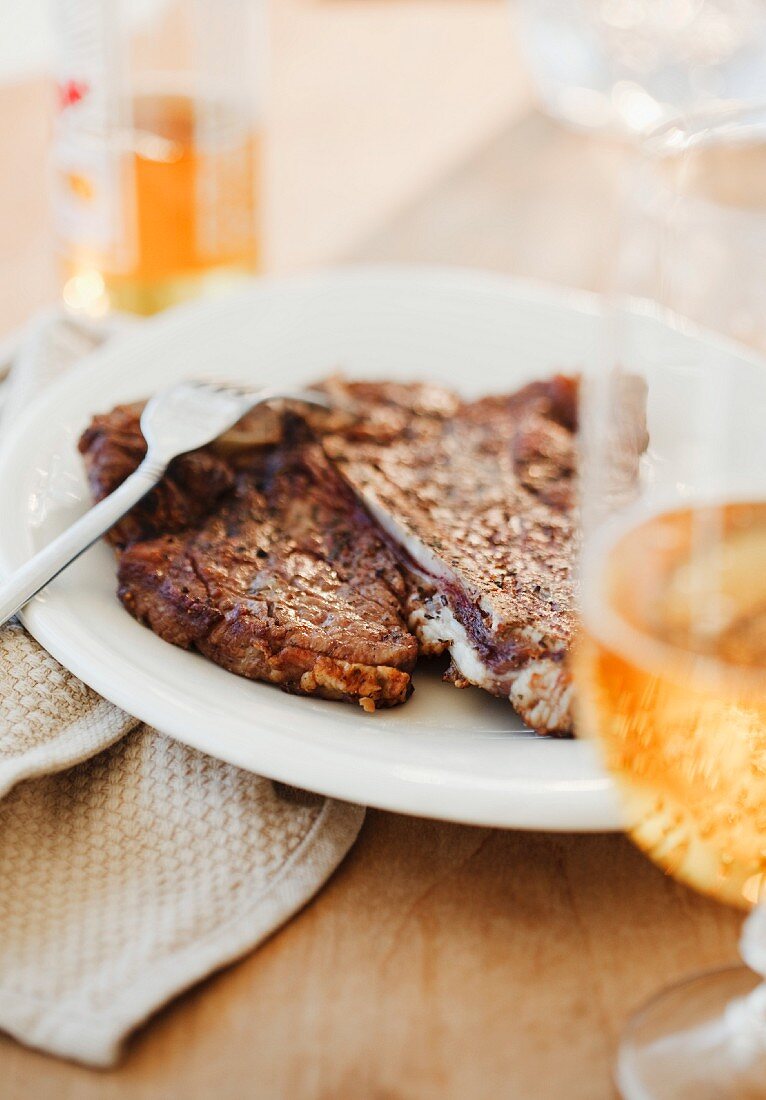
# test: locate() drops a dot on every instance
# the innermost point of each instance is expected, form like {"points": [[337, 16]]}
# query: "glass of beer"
{"points": [[156, 150], [671, 666]]}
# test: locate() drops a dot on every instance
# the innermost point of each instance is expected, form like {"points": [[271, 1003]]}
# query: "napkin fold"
{"points": [[131, 866]]}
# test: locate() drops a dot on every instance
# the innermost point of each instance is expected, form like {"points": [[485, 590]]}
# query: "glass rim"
{"points": [[737, 121]]}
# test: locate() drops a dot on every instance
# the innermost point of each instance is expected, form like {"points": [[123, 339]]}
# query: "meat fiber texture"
{"points": [[261, 559], [328, 555], [479, 500]]}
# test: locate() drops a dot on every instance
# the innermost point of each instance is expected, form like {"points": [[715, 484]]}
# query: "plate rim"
{"points": [[590, 803]]}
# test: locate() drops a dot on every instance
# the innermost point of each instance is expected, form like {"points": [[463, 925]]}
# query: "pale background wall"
{"points": [[371, 101]]}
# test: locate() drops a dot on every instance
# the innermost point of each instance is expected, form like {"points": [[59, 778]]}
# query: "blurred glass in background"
{"points": [[628, 64], [156, 148]]}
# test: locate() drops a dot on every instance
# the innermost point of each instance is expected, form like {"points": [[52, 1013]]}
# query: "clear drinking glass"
{"points": [[627, 64], [671, 667], [156, 153]]}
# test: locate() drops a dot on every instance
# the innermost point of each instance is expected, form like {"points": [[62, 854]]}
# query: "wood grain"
{"points": [[440, 961], [535, 200]]}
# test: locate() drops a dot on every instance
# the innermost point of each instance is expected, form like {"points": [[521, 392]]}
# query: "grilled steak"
{"points": [[478, 499], [112, 447], [263, 559], [264, 562]]}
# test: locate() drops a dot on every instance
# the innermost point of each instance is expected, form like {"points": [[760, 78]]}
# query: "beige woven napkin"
{"points": [[130, 865]]}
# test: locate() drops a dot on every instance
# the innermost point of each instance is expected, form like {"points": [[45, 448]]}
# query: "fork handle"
{"points": [[22, 585]]}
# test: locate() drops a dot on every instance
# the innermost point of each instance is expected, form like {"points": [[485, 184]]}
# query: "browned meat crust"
{"points": [[112, 447], [285, 579], [263, 560], [479, 499]]}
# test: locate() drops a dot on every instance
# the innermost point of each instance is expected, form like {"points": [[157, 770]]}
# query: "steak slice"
{"points": [[479, 499], [262, 558], [112, 447], [265, 563]]}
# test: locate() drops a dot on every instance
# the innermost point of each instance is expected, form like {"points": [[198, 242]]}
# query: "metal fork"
{"points": [[178, 419]]}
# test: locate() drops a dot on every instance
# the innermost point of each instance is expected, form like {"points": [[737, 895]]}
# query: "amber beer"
{"points": [[672, 661], [184, 191], [155, 157]]}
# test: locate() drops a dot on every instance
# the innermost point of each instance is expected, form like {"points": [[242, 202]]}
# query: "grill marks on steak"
{"points": [[285, 579], [113, 446], [479, 499], [263, 560]]}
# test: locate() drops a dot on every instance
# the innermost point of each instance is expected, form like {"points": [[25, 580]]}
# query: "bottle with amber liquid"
{"points": [[156, 162], [670, 668]]}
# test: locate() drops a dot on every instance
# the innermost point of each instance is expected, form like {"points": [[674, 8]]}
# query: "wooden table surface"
{"points": [[440, 961]]}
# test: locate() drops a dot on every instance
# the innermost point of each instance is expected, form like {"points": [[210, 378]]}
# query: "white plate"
{"points": [[451, 754]]}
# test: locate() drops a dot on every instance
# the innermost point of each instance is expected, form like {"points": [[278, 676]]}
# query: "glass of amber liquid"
{"points": [[156, 153], [671, 665]]}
